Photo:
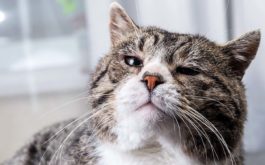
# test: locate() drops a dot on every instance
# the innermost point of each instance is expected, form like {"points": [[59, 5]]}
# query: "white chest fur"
{"points": [[151, 156]]}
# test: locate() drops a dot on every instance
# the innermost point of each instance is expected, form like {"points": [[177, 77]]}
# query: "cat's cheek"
{"points": [[166, 97]]}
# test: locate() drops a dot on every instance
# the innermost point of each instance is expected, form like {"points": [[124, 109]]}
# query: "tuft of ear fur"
{"points": [[242, 51], [120, 23]]}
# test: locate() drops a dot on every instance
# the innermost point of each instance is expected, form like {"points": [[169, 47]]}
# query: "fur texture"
{"points": [[193, 114]]}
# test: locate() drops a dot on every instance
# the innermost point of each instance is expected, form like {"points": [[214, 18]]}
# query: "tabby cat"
{"points": [[157, 98]]}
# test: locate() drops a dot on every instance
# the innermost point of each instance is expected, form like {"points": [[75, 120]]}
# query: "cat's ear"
{"points": [[242, 51], [120, 24]]}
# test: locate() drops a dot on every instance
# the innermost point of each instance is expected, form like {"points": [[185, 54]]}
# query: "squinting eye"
{"points": [[133, 61], [187, 71]]}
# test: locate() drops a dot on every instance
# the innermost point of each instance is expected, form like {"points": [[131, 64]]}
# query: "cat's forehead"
{"points": [[171, 47]]}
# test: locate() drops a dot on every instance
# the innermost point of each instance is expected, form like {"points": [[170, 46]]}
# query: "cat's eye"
{"points": [[133, 61], [187, 71]]}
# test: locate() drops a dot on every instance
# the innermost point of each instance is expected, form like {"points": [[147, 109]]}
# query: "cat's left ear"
{"points": [[242, 51], [120, 23]]}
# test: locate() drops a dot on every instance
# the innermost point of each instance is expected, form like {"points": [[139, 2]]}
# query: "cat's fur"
{"points": [[194, 115]]}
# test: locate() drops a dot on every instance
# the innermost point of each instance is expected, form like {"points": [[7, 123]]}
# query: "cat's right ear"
{"points": [[242, 51], [120, 23]]}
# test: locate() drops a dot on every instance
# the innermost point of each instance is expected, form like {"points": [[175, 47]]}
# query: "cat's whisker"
{"points": [[68, 125], [181, 117], [62, 106], [195, 116], [211, 127], [200, 131], [211, 99], [73, 130], [198, 117], [179, 132], [53, 137], [171, 113], [85, 120], [195, 127]]}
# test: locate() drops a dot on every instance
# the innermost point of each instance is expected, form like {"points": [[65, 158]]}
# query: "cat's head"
{"points": [[155, 85]]}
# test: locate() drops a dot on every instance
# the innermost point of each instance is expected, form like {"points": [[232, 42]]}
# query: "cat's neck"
{"points": [[158, 155]]}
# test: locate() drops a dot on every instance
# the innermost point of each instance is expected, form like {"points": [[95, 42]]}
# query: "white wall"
{"points": [[52, 65], [98, 33], [185, 16]]}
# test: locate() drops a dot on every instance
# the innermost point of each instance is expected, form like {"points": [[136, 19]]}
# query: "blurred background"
{"points": [[49, 47]]}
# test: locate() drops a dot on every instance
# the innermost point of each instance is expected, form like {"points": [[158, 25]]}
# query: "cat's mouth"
{"points": [[148, 111], [150, 107], [148, 104]]}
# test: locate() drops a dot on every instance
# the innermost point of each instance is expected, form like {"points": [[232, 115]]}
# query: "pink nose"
{"points": [[151, 81]]}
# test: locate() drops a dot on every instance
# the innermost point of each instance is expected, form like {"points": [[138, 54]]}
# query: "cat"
{"points": [[157, 98]]}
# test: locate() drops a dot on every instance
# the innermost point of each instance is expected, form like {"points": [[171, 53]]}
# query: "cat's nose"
{"points": [[152, 80]]}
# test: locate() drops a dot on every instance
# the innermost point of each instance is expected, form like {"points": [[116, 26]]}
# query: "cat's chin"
{"points": [[149, 111], [148, 106]]}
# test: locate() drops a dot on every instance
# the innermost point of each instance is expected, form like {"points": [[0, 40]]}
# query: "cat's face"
{"points": [[156, 85]]}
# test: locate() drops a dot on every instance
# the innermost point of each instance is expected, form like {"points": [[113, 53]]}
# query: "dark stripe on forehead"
{"points": [[183, 42], [156, 39], [143, 39], [178, 45], [102, 99], [141, 43], [101, 74]]}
